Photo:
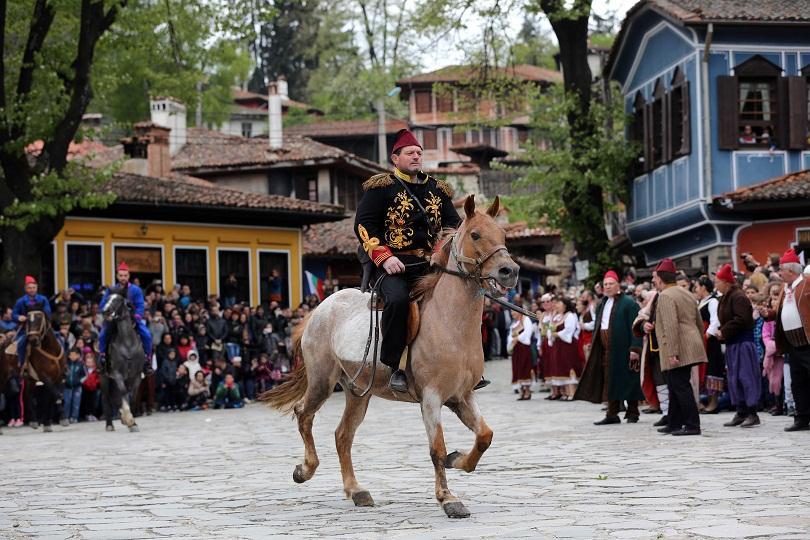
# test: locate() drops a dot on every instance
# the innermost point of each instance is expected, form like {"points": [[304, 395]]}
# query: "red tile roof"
{"points": [[331, 239], [344, 128], [180, 190], [459, 73], [244, 95], [208, 149], [783, 188]]}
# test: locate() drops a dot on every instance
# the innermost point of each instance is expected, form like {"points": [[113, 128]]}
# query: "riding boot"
{"points": [[398, 381]]}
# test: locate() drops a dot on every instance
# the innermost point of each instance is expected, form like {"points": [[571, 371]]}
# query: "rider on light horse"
{"points": [[134, 296], [30, 301]]}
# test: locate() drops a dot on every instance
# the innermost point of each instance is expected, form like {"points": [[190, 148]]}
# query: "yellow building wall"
{"points": [[120, 233]]}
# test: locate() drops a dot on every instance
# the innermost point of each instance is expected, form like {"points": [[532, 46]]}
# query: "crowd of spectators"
{"points": [[204, 354], [550, 354]]}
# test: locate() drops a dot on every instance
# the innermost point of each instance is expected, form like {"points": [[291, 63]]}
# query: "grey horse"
{"points": [[121, 375]]}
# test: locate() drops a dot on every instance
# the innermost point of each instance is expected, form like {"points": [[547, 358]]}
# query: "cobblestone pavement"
{"points": [[549, 473]]}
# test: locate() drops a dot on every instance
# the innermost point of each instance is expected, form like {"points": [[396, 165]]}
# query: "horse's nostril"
{"points": [[506, 271]]}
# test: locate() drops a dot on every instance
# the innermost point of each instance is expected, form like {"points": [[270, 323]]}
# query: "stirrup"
{"points": [[481, 384], [401, 382]]}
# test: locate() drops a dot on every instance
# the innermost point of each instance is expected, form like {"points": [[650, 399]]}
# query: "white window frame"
{"points": [[251, 276], [286, 252], [207, 264], [141, 245], [65, 246]]}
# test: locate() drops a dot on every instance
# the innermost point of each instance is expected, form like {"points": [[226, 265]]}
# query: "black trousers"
{"points": [[395, 290], [614, 406], [800, 383], [683, 411]]}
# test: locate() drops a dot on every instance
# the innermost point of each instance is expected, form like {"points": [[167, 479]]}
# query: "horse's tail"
{"points": [[284, 397]]}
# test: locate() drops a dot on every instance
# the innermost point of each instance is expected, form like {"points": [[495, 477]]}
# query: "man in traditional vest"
{"points": [[30, 301], [793, 334], [134, 296], [399, 220]]}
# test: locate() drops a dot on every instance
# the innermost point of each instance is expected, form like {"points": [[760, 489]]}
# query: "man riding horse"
{"points": [[399, 221], [134, 296], [30, 301]]}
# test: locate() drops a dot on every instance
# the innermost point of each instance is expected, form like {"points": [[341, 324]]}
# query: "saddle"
{"points": [[11, 350]]}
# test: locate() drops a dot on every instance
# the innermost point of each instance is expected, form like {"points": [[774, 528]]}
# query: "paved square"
{"points": [[549, 473]]}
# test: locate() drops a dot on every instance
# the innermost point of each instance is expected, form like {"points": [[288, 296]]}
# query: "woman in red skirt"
{"points": [[518, 342], [566, 367]]}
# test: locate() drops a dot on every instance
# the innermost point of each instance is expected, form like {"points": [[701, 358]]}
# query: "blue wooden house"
{"points": [[718, 93]]}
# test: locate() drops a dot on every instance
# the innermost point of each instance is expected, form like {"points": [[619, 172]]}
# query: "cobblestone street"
{"points": [[549, 473]]}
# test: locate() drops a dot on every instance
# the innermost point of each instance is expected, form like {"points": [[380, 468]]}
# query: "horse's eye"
{"points": [[475, 235]]}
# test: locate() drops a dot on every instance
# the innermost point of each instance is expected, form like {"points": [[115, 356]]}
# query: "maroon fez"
{"points": [[404, 138], [666, 265]]}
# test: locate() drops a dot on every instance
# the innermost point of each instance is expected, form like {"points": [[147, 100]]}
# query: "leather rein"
{"points": [[40, 332]]}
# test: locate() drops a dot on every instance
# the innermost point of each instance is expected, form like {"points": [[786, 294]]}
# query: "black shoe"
{"points": [[398, 381], [736, 421], [686, 431], [608, 420], [750, 421], [481, 384], [665, 430], [798, 426], [632, 420], [663, 421], [651, 410]]}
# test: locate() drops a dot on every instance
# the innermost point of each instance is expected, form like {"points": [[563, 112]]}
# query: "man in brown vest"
{"points": [[793, 334]]}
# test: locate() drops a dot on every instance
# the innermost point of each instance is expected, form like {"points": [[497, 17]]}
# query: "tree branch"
{"points": [[397, 35], [40, 25], [92, 25], [3, 59], [369, 35]]}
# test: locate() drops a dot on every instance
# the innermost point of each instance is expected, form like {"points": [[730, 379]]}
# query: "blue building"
{"points": [[718, 93]]}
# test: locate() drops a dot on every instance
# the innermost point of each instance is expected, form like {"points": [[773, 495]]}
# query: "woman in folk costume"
{"points": [[715, 373], [774, 363], [565, 367], [652, 378], [519, 344], [543, 353]]}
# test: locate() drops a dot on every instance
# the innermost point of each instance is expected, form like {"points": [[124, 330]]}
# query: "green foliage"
{"points": [[55, 194], [563, 170], [533, 46], [166, 48]]}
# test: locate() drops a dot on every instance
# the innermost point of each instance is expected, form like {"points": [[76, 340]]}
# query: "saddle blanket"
{"points": [[11, 350]]}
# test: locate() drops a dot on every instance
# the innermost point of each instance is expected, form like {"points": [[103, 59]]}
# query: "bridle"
{"points": [[39, 331], [477, 262], [38, 318]]}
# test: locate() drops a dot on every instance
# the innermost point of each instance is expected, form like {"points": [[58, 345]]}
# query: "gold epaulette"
{"points": [[378, 181], [445, 187]]}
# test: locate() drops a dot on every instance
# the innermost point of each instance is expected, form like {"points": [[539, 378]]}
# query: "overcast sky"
{"points": [[450, 50]]}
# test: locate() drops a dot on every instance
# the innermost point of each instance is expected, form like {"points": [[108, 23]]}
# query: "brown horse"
{"points": [[8, 362], [446, 357], [43, 370]]}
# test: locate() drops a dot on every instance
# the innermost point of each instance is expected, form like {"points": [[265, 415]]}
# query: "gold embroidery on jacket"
{"points": [[434, 208], [398, 235]]}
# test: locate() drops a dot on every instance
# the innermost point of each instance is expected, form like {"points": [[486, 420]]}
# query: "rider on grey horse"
{"points": [[30, 301], [134, 296]]}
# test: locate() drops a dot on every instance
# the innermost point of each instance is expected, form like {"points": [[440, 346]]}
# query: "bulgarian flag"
{"points": [[315, 284]]}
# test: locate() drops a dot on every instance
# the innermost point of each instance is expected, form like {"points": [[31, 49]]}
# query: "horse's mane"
{"points": [[424, 286]]}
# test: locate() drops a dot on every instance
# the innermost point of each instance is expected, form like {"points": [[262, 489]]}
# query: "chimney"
{"points": [[274, 112], [170, 113], [148, 151], [281, 86]]}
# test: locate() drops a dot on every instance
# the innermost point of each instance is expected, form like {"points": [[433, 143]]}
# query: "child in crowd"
{"points": [[228, 395], [75, 374], [198, 392], [91, 395]]}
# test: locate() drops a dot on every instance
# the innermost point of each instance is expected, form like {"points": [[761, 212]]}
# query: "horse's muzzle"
{"points": [[507, 275]]}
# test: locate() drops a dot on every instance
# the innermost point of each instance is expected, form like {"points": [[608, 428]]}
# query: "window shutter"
{"points": [[727, 136], [797, 113], [686, 124], [648, 137], [666, 127], [782, 121]]}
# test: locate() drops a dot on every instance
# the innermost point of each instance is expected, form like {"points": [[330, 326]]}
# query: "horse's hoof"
{"points": [[455, 509], [298, 475], [47, 429], [362, 498], [64, 422], [450, 460], [110, 427], [133, 429], [33, 425]]}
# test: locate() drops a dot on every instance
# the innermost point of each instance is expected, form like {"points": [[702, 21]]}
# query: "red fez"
{"points": [[122, 266], [666, 265], [610, 274], [404, 138], [30, 279], [725, 274], [789, 257]]}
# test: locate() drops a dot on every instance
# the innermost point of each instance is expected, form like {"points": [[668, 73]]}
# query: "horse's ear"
{"points": [[469, 206], [494, 207]]}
